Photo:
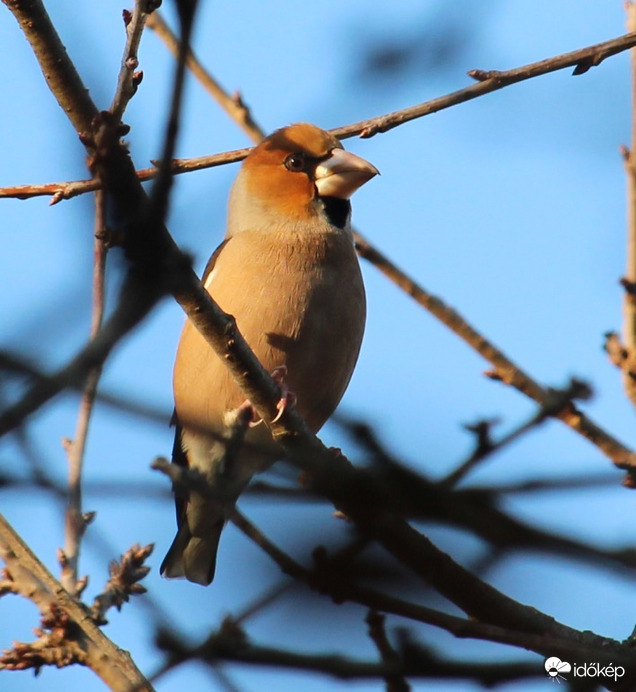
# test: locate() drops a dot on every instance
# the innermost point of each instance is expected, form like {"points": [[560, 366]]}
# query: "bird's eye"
{"points": [[295, 162]]}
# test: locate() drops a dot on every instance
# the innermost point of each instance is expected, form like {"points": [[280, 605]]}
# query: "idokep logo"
{"points": [[554, 667]]}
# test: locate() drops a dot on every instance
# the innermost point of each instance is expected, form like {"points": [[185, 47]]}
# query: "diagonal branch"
{"points": [[58, 69], [232, 105], [493, 80], [128, 79], [583, 60], [505, 369], [109, 662], [323, 579]]}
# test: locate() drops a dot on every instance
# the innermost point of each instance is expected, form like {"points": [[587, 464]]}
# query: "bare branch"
{"points": [[58, 70], [67, 190], [129, 79], [75, 448], [627, 360], [476, 510], [229, 643], [388, 655], [125, 576], [328, 579], [232, 105], [110, 663], [492, 81], [506, 370], [557, 400]]}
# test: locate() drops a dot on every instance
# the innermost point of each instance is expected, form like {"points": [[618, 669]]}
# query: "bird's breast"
{"points": [[298, 301]]}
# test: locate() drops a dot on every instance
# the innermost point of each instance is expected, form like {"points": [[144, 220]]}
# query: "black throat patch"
{"points": [[337, 210]]}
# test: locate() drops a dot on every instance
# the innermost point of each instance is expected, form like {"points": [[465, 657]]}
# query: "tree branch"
{"points": [[109, 662], [505, 370], [326, 578], [388, 655], [58, 70], [230, 644], [76, 522], [128, 79], [232, 105], [493, 80], [623, 355]]}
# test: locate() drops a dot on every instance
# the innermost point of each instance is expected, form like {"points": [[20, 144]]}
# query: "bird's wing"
{"points": [[179, 457], [212, 261]]}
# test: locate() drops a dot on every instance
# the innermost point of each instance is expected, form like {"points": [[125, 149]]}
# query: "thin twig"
{"points": [[75, 524], [232, 105], [377, 633], [10, 363], [264, 600], [67, 190], [128, 79], [547, 485], [556, 401], [505, 370], [339, 667], [413, 495], [113, 665], [325, 581], [229, 643], [492, 81], [125, 317], [125, 575], [160, 194], [627, 350]]}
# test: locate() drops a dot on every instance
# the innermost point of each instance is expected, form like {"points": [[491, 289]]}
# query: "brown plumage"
{"points": [[287, 271]]}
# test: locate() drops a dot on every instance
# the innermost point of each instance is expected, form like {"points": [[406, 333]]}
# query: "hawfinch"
{"points": [[288, 272]]}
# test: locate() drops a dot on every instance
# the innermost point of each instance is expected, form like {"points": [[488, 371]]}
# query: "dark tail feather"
{"points": [[192, 557]]}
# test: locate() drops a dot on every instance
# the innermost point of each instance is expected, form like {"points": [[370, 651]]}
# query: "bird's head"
{"points": [[299, 173]]}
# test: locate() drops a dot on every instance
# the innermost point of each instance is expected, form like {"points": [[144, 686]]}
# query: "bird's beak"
{"points": [[342, 174]]}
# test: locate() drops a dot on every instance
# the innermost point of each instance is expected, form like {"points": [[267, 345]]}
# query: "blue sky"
{"points": [[510, 207]]}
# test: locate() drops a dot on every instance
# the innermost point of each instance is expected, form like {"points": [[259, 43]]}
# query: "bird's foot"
{"points": [[287, 398], [243, 416]]}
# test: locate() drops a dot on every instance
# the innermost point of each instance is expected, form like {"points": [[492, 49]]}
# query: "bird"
{"points": [[288, 273]]}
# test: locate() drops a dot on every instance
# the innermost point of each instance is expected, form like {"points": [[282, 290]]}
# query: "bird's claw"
{"points": [[287, 398]]}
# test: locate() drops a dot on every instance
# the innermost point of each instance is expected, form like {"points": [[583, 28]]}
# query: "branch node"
{"points": [[586, 63], [482, 430], [125, 576], [629, 286], [483, 75], [494, 375], [56, 644], [615, 350]]}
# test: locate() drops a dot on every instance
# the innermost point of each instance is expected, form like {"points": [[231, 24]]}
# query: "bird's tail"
{"points": [[193, 557]]}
